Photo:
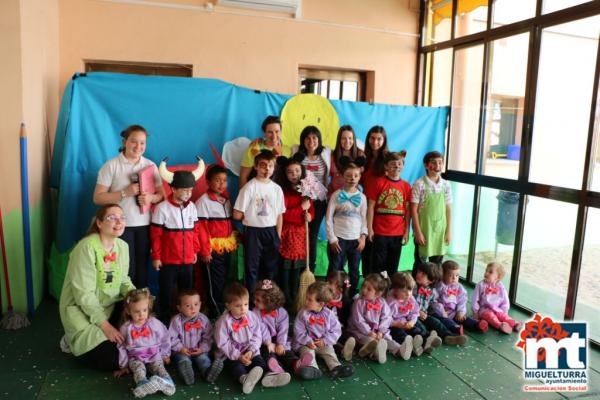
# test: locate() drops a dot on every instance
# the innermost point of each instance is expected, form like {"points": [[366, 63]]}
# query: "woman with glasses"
{"points": [[118, 183], [96, 280]]}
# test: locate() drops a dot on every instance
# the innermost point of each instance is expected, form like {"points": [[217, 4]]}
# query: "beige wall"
{"points": [[260, 51]]}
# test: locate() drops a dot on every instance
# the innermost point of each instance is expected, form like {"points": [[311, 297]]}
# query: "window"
{"points": [[462, 215], [471, 17], [126, 67], [438, 21], [508, 11], [334, 85]]}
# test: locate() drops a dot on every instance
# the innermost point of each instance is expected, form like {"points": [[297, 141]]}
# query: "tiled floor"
{"points": [[488, 367]]}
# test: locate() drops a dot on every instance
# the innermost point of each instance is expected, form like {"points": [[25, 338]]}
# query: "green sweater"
{"points": [[91, 288]]}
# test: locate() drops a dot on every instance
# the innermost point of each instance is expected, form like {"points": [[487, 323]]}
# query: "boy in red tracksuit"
{"points": [[174, 237], [217, 237]]}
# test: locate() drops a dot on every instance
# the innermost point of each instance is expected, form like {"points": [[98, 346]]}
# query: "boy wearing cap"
{"points": [[174, 236]]}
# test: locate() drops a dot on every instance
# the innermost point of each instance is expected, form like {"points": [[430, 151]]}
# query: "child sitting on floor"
{"points": [[450, 306], [146, 345], [191, 339], [490, 300], [317, 329], [341, 306]]}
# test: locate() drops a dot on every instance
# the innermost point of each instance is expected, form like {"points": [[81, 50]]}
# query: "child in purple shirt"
{"points": [[317, 329], [490, 300], [191, 339], [145, 344], [341, 306], [405, 315], [450, 306], [370, 321], [238, 336], [269, 301]]}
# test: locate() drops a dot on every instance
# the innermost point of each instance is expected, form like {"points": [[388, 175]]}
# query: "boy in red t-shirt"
{"points": [[388, 214]]}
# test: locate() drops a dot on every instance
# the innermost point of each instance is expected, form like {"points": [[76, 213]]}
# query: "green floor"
{"points": [[489, 367]]}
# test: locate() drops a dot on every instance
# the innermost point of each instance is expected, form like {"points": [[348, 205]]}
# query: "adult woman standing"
{"points": [[118, 184], [345, 146], [271, 140], [96, 279], [317, 159]]}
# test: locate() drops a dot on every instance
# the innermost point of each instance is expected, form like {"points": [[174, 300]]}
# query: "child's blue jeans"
{"points": [[201, 361]]}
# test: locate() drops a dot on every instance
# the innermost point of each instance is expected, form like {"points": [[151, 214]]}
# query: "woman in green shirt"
{"points": [[96, 279]]}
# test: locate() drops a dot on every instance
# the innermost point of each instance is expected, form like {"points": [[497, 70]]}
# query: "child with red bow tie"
{"points": [[490, 300], [427, 275], [316, 330], [269, 301], [341, 305], [370, 321], [450, 306], [238, 337], [191, 339], [146, 345]]}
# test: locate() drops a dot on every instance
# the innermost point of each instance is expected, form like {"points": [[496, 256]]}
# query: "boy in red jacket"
{"points": [[174, 237]]}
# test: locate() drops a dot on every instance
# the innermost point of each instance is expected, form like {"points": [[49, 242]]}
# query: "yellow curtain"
{"points": [[442, 9]]}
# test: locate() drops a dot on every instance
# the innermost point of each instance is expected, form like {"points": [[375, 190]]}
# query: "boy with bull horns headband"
{"points": [[174, 236]]}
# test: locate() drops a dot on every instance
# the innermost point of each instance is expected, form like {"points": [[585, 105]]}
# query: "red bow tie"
{"points": [[335, 303], [406, 308], [424, 291], [452, 292], [110, 257], [137, 333], [264, 313], [316, 320], [492, 290], [238, 325], [188, 326], [374, 306]]}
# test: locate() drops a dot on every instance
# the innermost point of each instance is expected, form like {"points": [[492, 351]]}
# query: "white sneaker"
{"points": [[64, 345], [380, 351], [406, 348]]}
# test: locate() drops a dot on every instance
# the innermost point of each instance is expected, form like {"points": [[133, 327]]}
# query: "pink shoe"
{"points": [[274, 366], [304, 361], [483, 325], [506, 328]]}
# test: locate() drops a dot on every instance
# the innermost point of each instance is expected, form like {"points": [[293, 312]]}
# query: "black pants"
{"points": [[261, 246], [420, 260], [288, 277], [313, 231], [433, 323], [237, 369], [399, 334], [386, 254], [172, 277], [337, 260], [452, 324], [286, 360], [105, 356], [367, 258], [138, 239], [215, 274]]}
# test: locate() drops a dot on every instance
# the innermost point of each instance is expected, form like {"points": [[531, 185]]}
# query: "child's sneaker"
{"points": [[405, 348], [506, 328], [483, 325], [432, 342], [380, 351], [342, 371], [186, 371], [417, 345], [518, 326], [274, 366], [64, 345], [165, 384], [144, 388], [276, 379], [215, 370], [368, 348], [250, 380], [455, 340], [348, 348]]}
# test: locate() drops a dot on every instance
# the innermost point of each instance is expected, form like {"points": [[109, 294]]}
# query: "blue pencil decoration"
{"points": [[26, 230]]}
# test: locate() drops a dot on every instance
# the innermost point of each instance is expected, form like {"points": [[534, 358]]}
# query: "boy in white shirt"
{"points": [[260, 206]]}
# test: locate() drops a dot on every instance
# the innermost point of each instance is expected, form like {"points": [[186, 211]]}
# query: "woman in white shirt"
{"points": [[118, 183]]}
